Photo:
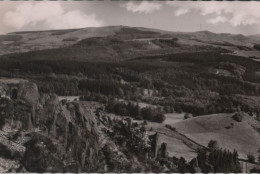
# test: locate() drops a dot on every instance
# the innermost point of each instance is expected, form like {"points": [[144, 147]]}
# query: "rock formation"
{"points": [[60, 137], [154, 144]]}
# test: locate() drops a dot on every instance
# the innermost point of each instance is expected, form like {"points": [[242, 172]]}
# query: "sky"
{"points": [[236, 17]]}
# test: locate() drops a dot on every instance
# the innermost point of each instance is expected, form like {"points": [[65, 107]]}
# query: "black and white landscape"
{"points": [[113, 96]]}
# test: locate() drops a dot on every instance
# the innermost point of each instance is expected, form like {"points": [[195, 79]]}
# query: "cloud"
{"points": [[217, 20], [50, 14], [181, 11], [235, 13], [142, 7]]}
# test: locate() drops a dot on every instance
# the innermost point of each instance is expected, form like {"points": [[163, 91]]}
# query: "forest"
{"points": [[199, 83]]}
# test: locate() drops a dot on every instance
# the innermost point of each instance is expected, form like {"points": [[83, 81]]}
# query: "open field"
{"points": [[69, 98], [241, 136], [177, 148], [172, 118], [190, 134], [12, 81]]}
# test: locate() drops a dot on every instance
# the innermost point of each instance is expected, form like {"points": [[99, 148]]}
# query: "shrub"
{"points": [[178, 109], [186, 116], [238, 117], [213, 144], [251, 158], [159, 118], [170, 127], [147, 113]]}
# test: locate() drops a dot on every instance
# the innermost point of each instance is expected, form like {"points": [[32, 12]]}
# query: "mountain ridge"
{"points": [[136, 41]]}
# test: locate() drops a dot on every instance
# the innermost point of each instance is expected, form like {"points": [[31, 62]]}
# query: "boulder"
{"points": [[28, 92]]}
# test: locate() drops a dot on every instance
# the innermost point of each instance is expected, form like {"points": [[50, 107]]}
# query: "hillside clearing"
{"points": [[241, 136]]}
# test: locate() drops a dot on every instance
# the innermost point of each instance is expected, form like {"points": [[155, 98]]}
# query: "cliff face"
{"points": [[52, 136], [39, 133]]}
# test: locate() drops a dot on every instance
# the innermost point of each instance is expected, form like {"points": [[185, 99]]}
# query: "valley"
{"points": [[129, 99]]}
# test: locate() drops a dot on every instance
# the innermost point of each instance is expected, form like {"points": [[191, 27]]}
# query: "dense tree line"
{"points": [[257, 46], [184, 81], [210, 160], [103, 86], [59, 86], [218, 160], [133, 110]]}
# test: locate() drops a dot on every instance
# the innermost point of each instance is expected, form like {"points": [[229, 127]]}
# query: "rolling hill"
{"points": [[230, 134], [254, 37], [116, 42]]}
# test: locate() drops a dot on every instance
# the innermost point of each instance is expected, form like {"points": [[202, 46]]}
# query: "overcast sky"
{"points": [[220, 17]]}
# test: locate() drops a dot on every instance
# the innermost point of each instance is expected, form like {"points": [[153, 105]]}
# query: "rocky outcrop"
{"points": [[154, 144], [69, 133], [17, 113], [40, 134], [28, 92], [62, 137], [163, 151], [21, 109]]}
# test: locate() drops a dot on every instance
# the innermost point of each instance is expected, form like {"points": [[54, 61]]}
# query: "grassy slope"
{"points": [[175, 142], [40, 40], [177, 145], [255, 37], [241, 137]]}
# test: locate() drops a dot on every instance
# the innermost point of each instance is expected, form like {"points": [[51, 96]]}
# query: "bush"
{"points": [[238, 117], [170, 127], [152, 114], [178, 109], [213, 144], [147, 113], [159, 118], [186, 116], [250, 158]]}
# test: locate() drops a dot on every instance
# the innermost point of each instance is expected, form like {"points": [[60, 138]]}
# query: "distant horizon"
{"points": [[233, 17], [47, 30]]}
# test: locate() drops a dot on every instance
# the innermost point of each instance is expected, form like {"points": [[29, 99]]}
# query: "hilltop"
{"points": [[113, 43]]}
